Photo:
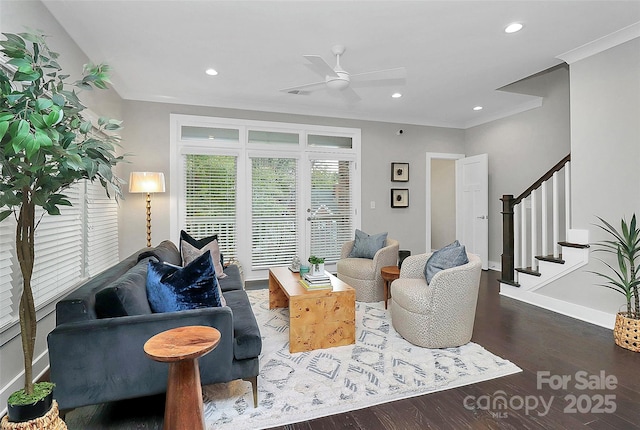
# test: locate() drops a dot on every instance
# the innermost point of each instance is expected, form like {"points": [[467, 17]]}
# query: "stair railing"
{"points": [[522, 241]]}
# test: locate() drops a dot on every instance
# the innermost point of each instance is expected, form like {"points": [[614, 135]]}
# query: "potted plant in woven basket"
{"points": [[625, 245], [46, 145]]}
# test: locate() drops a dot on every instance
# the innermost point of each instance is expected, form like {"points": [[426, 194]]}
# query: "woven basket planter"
{"points": [[51, 421], [626, 332]]}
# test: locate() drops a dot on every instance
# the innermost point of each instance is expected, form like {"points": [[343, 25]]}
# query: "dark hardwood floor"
{"points": [[545, 345]]}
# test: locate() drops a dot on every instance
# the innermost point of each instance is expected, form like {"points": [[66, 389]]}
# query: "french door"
{"points": [[271, 191]]}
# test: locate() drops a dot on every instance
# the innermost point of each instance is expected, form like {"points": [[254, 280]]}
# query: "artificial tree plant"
{"points": [[46, 146]]}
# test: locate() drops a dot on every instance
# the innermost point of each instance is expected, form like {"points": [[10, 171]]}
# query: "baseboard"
{"points": [[40, 367], [583, 313], [494, 265]]}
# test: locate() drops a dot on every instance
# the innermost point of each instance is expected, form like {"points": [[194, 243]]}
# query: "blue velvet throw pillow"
{"points": [[366, 246], [452, 255], [172, 288]]}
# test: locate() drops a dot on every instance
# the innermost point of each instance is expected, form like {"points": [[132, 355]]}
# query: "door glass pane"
{"points": [[273, 138], [210, 199], [274, 223], [331, 208], [218, 135], [330, 141]]}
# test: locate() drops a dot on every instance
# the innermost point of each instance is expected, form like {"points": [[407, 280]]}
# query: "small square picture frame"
{"points": [[399, 197], [399, 172]]}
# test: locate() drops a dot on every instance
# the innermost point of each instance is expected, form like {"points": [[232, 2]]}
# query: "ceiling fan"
{"points": [[338, 79]]}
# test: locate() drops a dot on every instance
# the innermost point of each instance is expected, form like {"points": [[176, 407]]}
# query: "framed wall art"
{"points": [[399, 172], [399, 198]]}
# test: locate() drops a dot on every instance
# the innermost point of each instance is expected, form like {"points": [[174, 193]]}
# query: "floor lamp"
{"points": [[147, 182]]}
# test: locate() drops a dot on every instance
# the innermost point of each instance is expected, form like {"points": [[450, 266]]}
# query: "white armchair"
{"points": [[440, 314], [363, 274]]}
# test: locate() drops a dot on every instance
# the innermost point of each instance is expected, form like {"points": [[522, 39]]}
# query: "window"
{"points": [[270, 190], [274, 223], [78, 243], [210, 199], [331, 219]]}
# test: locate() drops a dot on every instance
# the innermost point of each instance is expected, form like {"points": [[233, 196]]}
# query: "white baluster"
{"points": [[534, 229], [556, 215], [567, 198], [544, 214], [516, 234], [523, 233]]}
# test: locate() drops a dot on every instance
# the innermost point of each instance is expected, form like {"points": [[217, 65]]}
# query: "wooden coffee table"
{"points": [[181, 347], [317, 319]]}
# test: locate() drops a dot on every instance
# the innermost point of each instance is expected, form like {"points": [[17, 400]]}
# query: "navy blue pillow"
{"points": [[172, 288]]}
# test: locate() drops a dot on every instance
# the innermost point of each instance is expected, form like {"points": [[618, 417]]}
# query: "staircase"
{"points": [[539, 245]]}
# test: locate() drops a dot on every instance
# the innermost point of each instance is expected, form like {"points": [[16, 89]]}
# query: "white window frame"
{"points": [[243, 151]]}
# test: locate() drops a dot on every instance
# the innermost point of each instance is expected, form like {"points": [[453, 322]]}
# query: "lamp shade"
{"points": [[146, 182]]}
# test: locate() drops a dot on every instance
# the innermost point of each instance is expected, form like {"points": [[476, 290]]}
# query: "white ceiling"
{"points": [[455, 52]]}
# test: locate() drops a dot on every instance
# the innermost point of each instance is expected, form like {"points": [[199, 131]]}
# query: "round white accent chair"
{"points": [[438, 315], [363, 274]]}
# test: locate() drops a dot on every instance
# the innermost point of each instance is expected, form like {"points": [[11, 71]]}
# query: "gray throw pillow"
{"points": [[366, 246], [452, 255], [127, 295]]}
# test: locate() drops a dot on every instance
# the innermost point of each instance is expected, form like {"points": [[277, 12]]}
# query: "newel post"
{"points": [[508, 266]]}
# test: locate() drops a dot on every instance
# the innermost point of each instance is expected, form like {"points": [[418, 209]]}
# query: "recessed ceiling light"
{"points": [[513, 27], [477, 108], [396, 95], [211, 72]]}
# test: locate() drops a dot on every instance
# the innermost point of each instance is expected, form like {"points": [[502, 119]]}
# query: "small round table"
{"points": [[181, 347], [389, 274]]}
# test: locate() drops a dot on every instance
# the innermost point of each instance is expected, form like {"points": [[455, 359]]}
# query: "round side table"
{"points": [[181, 347], [389, 274]]}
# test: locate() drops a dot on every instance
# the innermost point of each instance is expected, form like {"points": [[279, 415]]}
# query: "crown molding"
{"points": [[606, 42]]}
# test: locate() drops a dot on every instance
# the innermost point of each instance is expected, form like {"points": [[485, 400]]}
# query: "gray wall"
{"points": [[146, 136], [605, 153], [524, 146]]}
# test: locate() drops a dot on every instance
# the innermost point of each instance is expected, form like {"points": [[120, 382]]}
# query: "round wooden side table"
{"points": [[389, 274], [181, 347]]}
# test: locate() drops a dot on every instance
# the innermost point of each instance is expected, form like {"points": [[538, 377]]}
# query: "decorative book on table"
{"points": [[323, 278], [326, 285]]}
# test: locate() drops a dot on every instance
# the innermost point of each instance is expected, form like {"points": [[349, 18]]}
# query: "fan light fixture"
{"points": [[147, 182]]}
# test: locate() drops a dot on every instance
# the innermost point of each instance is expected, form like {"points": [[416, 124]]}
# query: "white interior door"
{"points": [[472, 205]]}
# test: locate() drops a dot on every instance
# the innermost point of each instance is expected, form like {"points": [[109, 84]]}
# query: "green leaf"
{"points": [[14, 98], [4, 125], [5, 116], [43, 104], [37, 120], [22, 64], [4, 214], [58, 100], [31, 145], [86, 127], [43, 139]]}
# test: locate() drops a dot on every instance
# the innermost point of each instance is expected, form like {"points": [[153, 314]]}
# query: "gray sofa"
{"points": [[96, 359]]}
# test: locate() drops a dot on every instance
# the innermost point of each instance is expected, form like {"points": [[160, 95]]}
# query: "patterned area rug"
{"points": [[380, 367]]}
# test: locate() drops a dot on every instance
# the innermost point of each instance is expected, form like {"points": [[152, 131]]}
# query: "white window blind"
{"points": [[102, 229], [210, 199], [78, 243], [331, 208], [58, 248], [274, 192], [7, 246]]}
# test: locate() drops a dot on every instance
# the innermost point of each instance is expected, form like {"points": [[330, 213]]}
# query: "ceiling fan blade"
{"points": [[378, 83], [350, 95], [395, 76], [305, 88], [320, 66]]}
